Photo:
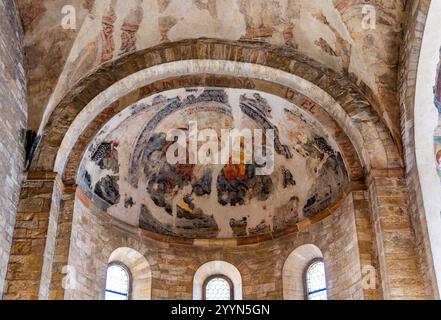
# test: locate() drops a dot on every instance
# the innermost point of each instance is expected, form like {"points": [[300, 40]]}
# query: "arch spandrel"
{"points": [[91, 86]]}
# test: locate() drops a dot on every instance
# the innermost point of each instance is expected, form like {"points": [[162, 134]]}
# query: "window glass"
{"points": [[117, 283], [218, 289], [316, 281]]}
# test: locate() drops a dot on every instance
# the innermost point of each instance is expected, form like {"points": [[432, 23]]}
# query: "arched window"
{"points": [[218, 287], [316, 281], [138, 268], [228, 288], [117, 282]]}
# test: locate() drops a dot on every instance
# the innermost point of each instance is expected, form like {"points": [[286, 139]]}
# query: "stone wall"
{"points": [[13, 114], [95, 237]]}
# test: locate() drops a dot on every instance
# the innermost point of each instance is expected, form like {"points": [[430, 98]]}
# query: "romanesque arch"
{"points": [[140, 271], [214, 268], [294, 270], [370, 154], [90, 87]]}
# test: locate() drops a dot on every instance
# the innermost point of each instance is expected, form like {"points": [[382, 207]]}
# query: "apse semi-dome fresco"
{"points": [[126, 171]]}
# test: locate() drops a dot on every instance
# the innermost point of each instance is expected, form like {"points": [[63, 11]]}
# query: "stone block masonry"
{"points": [[13, 117], [173, 265], [28, 247], [395, 239]]}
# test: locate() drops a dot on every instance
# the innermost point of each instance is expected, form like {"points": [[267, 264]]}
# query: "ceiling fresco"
{"points": [[127, 173], [331, 32]]}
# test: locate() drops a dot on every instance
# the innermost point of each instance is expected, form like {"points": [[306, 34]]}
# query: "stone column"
{"points": [[29, 240], [395, 240]]}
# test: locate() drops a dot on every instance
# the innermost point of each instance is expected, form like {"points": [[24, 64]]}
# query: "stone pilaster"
{"points": [[395, 240], [57, 242], [29, 240], [366, 246]]}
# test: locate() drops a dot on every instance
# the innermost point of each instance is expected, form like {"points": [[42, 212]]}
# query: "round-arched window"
{"points": [[218, 288], [316, 281], [117, 282]]}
